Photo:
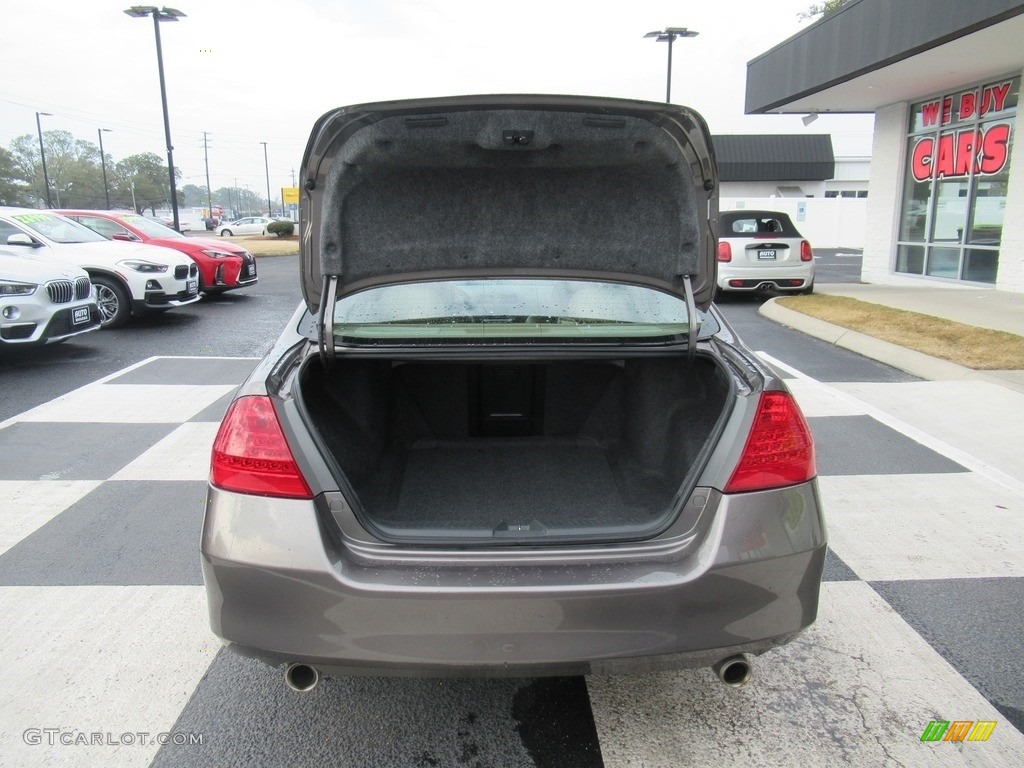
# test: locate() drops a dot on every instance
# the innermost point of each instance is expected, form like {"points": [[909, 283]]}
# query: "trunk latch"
{"points": [[517, 137], [534, 528]]}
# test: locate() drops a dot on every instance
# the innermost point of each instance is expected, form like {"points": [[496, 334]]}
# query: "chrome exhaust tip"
{"points": [[734, 671], [301, 678]]}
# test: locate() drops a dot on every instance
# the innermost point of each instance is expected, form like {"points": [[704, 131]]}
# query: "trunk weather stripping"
{"points": [[325, 320]]}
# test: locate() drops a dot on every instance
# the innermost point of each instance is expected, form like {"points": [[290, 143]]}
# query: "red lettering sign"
{"points": [[957, 155], [976, 103]]}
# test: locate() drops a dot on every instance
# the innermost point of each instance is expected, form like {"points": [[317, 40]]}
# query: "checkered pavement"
{"points": [[106, 642]]}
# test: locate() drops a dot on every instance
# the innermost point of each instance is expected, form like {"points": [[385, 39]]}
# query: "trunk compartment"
{"points": [[516, 450]]}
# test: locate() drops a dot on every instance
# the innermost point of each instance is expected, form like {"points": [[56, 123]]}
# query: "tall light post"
{"points": [[668, 35], [103, 164], [266, 167], [42, 154], [162, 14]]}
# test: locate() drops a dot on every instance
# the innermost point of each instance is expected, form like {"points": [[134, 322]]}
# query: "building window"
{"points": [[954, 196]]}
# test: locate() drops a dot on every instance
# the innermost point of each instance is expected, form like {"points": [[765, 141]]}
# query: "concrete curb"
{"points": [[914, 363]]}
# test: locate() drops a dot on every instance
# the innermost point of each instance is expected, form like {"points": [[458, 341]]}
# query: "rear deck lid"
{"points": [[526, 186]]}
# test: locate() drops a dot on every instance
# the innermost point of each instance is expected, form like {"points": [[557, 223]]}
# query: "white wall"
{"points": [[836, 222], [770, 188], [857, 169], [884, 195]]}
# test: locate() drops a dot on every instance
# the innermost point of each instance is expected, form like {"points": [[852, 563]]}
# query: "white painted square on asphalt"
{"points": [[982, 419], [817, 400], [935, 526], [182, 455], [115, 661], [130, 403], [858, 688], [30, 504]]}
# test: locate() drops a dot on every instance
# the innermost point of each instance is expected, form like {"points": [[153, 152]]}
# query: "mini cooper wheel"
{"points": [[113, 302]]}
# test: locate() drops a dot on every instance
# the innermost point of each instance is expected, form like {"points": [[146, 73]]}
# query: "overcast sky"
{"points": [[248, 71]]}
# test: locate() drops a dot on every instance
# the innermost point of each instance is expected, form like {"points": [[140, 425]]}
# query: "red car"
{"points": [[222, 266]]}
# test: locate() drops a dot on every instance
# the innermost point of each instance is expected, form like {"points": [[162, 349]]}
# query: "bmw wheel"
{"points": [[112, 300], [225, 233]]}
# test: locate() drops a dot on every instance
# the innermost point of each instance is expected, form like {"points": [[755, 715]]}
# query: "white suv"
{"points": [[43, 303], [130, 278]]}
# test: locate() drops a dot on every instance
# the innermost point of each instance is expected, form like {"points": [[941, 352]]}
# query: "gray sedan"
{"points": [[507, 432]]}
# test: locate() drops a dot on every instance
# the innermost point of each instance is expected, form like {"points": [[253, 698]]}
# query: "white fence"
{"points": [[827, 222]]}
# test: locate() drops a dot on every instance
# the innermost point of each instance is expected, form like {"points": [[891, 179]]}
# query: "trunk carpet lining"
{"points": [[482, 482]]}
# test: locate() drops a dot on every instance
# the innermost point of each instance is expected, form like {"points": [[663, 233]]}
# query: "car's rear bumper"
{"points": [[783, 277], [281, 590]]}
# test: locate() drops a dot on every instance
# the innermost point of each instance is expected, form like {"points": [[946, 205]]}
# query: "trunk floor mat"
{"points": [[488, 481]]}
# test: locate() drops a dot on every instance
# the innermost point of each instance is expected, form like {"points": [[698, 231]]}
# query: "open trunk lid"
{"points": [[529, 186]]}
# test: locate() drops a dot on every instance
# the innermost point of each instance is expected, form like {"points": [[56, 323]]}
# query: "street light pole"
{"points": [[209, 191], [266, 167], [42, 154], [162, 14], [103, 164], [668, 35]]}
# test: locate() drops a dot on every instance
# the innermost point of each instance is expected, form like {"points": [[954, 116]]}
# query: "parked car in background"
{"points": [[130, 278], [250, 225], [762, 250], [223, 266], [507, 431], [186, 222], [42, 303]]}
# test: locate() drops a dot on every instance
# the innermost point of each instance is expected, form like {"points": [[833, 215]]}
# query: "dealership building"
{"points": [[945, 198]]}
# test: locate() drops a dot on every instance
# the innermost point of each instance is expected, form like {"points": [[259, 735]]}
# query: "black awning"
{"points": [[775, 157]]}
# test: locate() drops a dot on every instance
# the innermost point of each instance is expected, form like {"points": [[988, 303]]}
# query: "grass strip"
{"points": [[967, 345]]}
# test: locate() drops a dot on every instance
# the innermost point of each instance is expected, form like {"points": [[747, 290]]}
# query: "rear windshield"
{"points": [[758, 225], [518, 310]]}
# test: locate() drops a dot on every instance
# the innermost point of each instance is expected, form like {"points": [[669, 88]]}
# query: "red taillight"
{"points": [[806, 254], [724, 251], [779, 449], [250, 454]]}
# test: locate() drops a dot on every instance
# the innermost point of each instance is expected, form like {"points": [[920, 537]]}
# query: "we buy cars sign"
{"points": [[981, 149]]}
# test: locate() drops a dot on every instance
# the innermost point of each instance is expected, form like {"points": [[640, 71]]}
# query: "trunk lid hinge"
{"points": [[325, 320], [691, 314]]}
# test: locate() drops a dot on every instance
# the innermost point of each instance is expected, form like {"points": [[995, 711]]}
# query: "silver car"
{"points": [[507, 432], [43, 303]]}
